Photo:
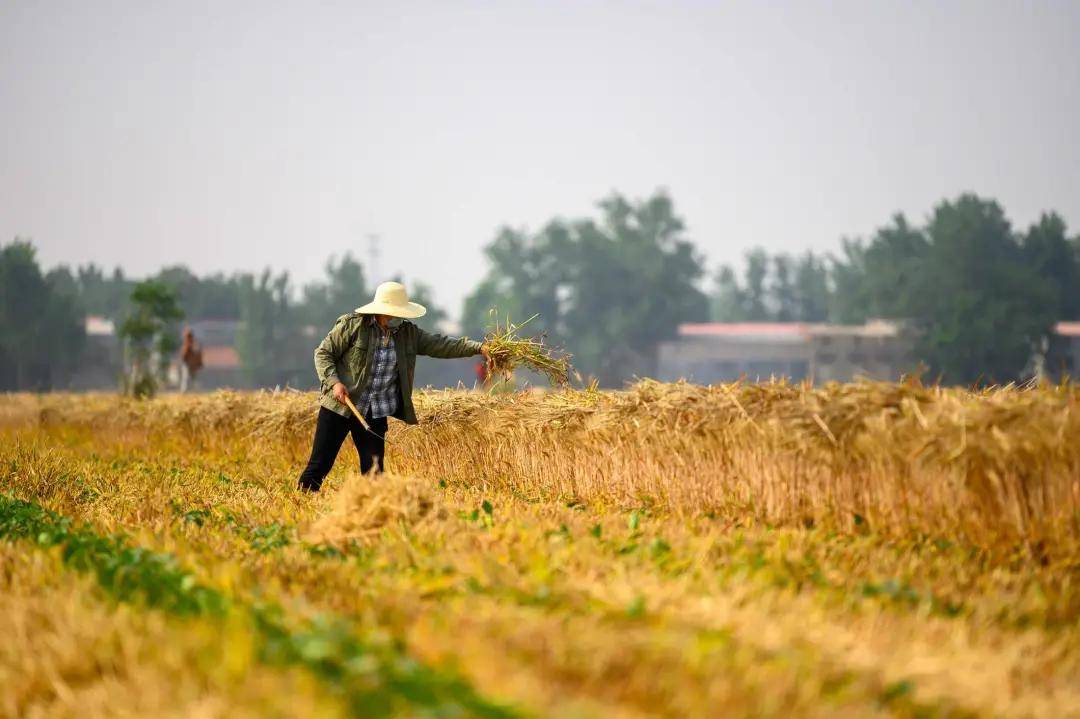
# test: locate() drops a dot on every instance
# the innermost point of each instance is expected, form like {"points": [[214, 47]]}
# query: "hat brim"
{"points": [[408, 311]]}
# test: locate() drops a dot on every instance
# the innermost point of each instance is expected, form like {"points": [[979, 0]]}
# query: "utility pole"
{"points": [[373, 258]]}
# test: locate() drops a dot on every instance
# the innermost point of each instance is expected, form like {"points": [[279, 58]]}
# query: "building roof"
{"points": [[210, 322], [737, 329], [787, 330], [99, 326], [220, 357], [1068, 329], [872, 328]]}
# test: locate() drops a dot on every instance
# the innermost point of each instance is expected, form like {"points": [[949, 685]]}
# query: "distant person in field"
{"points": [[191, 360], [370, 356], [482, 374]]}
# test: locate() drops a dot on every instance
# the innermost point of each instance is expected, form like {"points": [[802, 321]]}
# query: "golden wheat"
{"points": [[508, 350], [537, 599], [997, 468], [667, 550]]}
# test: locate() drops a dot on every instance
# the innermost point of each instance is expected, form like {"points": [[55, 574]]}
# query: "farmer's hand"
{"points": [[339, 392], [486, 352]]}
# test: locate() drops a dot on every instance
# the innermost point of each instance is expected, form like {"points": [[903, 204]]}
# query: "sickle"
{"points": [[364, 424]]}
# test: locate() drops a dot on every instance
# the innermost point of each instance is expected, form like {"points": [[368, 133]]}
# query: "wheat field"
{"points": [[668, 550]]}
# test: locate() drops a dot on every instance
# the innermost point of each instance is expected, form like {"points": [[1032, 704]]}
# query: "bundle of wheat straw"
{"points": [[367, 505], [508, 351]]}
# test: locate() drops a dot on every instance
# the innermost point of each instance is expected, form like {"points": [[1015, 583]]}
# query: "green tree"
{"points": [[528, 275], [880, 278], [849, 303], [893, 265], [22, 291], [610, 289], [41, 324], [634, 280], [755, 291], [421, 293], [210, 297], [65, 339], [981, 308], [103, 295], [728, 301], [1048, 251], [343, 290], [265, 337], [783, 294], [150, 335], [812, 289], [796, 289], [493, 296]]}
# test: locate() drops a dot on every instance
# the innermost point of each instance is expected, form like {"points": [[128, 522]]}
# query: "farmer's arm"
{"points": [[330, 350], [433, 344]]}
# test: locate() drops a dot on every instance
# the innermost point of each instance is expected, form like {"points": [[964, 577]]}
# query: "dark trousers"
{"points": [[330, 432]]}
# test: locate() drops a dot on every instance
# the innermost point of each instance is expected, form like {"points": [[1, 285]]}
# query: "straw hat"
{"points": [[391, 299]]}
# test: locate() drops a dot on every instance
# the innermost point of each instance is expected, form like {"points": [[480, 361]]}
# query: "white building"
{"points": [[756, 351]]}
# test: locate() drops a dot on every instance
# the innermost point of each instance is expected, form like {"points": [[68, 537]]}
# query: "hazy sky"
{"points": [[230, 135]]}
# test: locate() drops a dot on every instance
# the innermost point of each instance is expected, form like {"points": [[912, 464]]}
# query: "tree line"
{"points": [[42, 315], [982, 295]]}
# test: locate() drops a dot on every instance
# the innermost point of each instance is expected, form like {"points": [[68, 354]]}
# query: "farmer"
{"points": [[191, 360], [370, 356]]}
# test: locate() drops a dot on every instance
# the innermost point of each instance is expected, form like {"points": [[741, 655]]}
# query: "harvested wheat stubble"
{"points": [[998, 468], [365, 506]]}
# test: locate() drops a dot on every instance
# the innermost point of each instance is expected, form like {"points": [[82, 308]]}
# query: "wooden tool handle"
{"points": [[350, 405]]}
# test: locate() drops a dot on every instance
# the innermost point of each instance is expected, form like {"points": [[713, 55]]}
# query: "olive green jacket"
{"points": [[348, 354]]}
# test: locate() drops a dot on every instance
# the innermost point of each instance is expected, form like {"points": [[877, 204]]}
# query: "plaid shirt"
{"points": [[380, 399]]}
